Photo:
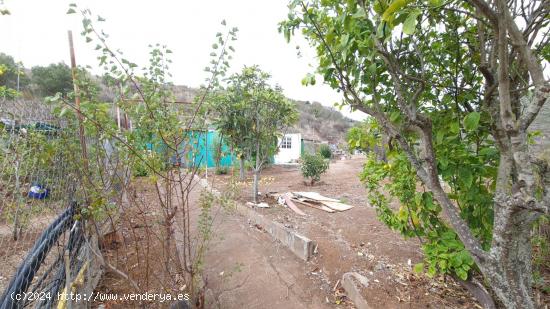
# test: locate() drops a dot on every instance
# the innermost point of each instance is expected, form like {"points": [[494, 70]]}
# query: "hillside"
{"points": [[317, 122], [321, 122]]}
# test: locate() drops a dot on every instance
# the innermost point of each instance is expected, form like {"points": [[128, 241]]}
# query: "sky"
{"points": [[36, 34]]}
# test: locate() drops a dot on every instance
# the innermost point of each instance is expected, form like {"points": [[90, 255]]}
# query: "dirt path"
{"points": [[353, 240], [245, 268]]}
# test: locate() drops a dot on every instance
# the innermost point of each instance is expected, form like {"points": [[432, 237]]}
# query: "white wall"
{"points": [[289, 155]]}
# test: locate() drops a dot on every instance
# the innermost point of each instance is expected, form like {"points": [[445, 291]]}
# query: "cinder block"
{"points": [[353, 290]]}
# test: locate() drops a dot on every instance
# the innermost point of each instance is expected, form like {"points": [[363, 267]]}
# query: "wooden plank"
{"points": [[337, 206], [315, 196], [316, 206], [292, 206]]}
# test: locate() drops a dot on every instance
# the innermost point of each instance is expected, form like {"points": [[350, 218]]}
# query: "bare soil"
{"points": [[245, 268], [353, 240]]}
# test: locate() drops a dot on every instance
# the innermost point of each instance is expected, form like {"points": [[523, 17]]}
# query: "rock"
{"points": [[380, 266]]}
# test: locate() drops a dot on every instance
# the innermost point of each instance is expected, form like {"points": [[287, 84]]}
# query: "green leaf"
{"points": [[439, 137], [394, 116], [309, 79], [488, 151], [466, 177], [455, 128], [471, 121], [344, 40], [372, 68], [395, 6], [462, 274], [431, 271], [360, 13], [71, 11], [418, 268], [410, 23]]}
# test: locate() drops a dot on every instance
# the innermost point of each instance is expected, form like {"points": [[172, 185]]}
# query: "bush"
{"points": [[325, 152], [221, 170], [140, 169], [313, 165]]}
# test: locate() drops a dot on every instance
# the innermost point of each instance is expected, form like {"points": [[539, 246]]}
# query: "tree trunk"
{"points": [[255, 187], [256, 173], [509, 273], [241, 169]]}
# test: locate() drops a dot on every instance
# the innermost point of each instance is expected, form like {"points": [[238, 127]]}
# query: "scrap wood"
{"points": [[337, 205], [292, 206], [315, 196], [260, 205], [316, 206]]}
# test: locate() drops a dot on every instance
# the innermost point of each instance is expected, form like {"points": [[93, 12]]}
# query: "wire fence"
{"points": [[45, 250]]}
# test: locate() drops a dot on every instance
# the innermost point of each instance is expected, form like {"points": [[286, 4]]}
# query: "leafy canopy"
{"points": [[251, 114], [414, 67]]}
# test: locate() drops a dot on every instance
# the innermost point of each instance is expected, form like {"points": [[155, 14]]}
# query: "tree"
{"points": [[52, 79], [366, 136], [11, 73], [313, 165], [251, 115], [455, 86]]}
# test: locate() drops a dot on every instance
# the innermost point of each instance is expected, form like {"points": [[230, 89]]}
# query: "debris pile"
{"points": [[310, 199]]}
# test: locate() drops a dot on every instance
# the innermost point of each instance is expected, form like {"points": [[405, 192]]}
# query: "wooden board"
{"points": [[337, 206], [315, 196], [292, 206], [316, 206]]}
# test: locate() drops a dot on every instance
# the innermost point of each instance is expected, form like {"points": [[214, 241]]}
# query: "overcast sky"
{"points": [[36, 34]]}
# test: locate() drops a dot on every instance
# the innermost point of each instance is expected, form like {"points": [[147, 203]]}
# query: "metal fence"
{"points": [[45, 250]]}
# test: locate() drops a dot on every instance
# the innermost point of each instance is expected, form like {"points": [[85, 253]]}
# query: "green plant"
{"points": [[313, 166], [325, 152], [454, 86], [12, 74], [221, 170], [161, 130], [252, 115], [52, 79]]}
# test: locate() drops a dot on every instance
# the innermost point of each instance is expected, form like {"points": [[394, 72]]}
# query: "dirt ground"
{"points": [[245, 268], [352, 240], [12, 252]]}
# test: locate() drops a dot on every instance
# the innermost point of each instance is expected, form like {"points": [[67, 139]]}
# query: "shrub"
{"points": [[313, 165], [325, 152], [140, 169], [221, 170]]}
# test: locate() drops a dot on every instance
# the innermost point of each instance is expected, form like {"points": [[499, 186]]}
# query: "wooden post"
{"points": [[77, 103]]}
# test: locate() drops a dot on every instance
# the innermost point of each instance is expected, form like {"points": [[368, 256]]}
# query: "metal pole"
{"points": [[206, 146], [206, 153]]}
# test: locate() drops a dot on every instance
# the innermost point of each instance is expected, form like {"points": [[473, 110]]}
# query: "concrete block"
{"points": [[300, 245], [352, 282]]}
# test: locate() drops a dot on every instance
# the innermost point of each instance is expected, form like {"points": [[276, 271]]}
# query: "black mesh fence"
{"points": [[45, 250]]}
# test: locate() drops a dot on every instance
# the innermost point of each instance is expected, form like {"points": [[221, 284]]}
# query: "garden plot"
{"points": [[352, 240]]}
